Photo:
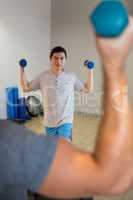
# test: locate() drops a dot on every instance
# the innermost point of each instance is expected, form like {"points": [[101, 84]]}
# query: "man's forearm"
{"points": [[114, 148], [23, 81], [90, 82]]}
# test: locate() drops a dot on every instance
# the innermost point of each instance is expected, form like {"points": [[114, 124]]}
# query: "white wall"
{"points": [[29, 28], [71, 29], [24, 33]]}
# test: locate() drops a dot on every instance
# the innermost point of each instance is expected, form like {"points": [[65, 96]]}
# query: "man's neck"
{"points": [[56, 72]]}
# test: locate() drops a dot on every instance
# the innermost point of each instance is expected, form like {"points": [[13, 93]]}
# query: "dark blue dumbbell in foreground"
{"points": [[89, 64], [23, 63], [110, 18]]}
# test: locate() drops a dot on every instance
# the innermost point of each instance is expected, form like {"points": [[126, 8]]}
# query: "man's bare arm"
{"points": [[89, 84], [25, 85]]}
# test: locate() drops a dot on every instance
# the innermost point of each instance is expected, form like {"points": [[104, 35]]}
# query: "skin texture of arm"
{"points": [[88, 86], [25, 85], [109, 170]]}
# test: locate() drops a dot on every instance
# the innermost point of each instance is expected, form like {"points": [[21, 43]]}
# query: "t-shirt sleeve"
{"points": [[25, 157], [78, 84]]}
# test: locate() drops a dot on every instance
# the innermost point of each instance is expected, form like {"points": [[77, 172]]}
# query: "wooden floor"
{"points": [[84, 134]]}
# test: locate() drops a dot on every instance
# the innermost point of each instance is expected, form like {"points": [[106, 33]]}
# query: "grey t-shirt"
{"points": [[25, 157], [58, 96]]}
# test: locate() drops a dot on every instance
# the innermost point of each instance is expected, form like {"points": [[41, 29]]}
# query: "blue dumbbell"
{"points": [[23, 63], [89, 64], [110, 18]]}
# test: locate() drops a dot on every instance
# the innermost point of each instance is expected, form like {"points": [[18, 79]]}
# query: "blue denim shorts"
{"points": [[64, 130]]}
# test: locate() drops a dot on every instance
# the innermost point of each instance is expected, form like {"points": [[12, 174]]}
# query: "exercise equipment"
{"points": [[22, 110], [23, 63], [89, 64], [34, 106], [15, 105], [12, 96], [110, 18]]}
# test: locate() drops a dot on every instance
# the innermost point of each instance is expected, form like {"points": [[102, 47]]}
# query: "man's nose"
{"points": [[59, 61]]}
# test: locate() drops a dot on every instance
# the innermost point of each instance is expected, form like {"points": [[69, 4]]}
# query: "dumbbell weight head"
{"points": [[89, 64], [23, 63], [110, 18]]}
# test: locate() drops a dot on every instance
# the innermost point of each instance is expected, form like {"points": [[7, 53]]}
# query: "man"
{"points": [[65, 171], [57, 87]]}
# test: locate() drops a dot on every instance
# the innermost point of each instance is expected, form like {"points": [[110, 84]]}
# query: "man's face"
{"points": [[58, 60]]}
